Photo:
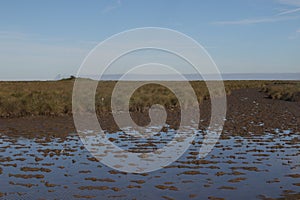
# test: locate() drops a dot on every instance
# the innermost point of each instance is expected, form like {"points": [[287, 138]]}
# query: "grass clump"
{"points": [[54, 98], [283, 90]]}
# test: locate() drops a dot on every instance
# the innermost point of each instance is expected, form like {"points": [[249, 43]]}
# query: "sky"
{"points": [[41, 39]]}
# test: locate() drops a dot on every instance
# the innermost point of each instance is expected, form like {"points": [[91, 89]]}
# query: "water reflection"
{"points": [[238, 167]]}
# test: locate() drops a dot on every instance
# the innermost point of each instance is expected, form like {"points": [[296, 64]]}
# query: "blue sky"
{"points": [[41, 39]]}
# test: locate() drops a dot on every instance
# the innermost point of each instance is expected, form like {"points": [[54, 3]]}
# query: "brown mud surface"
{"points": [[248, 111], [257, 157]]}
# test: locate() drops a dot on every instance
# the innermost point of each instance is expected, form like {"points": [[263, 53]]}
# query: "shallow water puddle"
{"points": [[238, 167]]}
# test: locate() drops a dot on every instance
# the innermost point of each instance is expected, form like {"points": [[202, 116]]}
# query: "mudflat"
{"points": [[257, 156], [249, 111]]}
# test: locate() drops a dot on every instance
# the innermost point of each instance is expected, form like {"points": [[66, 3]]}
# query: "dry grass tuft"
{"points": [[54, 98]]}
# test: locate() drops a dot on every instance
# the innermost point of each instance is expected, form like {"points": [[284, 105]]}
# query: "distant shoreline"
{"points": [[190, 77]]}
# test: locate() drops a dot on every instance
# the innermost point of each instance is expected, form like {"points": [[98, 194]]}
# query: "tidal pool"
{"points": [[249, 167]]}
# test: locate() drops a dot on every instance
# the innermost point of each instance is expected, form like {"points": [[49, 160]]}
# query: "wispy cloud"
{"points": [[257, 20], [272, 19], [8, 36], [111, 7], [289, 11], [290, 2], [12, 35], [295, 35]]}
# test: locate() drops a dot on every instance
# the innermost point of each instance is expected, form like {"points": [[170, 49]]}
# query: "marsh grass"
{"points": [[54, 98], [283, 90]]}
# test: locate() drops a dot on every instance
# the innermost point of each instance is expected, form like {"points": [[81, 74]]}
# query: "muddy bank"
{"points": [[257, 157], [264, 166], [249, 111]]}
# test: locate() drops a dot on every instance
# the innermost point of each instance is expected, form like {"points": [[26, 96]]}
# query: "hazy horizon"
{"points": [[139, 77]]}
